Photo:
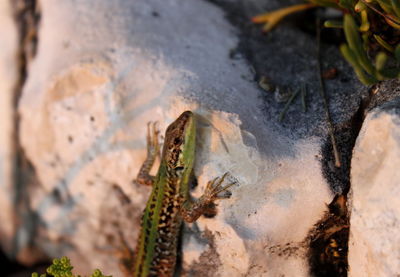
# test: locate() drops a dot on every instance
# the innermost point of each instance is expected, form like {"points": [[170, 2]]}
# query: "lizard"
{"points": [[170, 202]]}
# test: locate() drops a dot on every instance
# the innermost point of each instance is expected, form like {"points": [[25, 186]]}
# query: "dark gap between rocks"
{"points": [[27, 15], [329, 237], [11, 268], [328, 241]]}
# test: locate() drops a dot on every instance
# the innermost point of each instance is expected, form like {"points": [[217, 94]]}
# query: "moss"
{"points": [[63, 268]]}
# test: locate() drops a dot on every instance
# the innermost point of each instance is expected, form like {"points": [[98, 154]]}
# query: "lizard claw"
{"points": [[205, 204], [215, 187]]}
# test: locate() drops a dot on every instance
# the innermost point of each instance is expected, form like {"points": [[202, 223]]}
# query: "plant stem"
{"points": [[331, 128], [292, 97]]}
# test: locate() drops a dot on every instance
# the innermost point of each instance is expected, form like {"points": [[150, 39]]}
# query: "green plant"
{"points": [[63, 268], [372, 31]]}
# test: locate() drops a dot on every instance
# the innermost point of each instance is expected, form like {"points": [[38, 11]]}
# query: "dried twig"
{"points": [[292, 97], [324, 98], [303, 97]]}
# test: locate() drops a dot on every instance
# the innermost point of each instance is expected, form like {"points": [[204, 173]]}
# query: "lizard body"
{"points": [[170, 202]]}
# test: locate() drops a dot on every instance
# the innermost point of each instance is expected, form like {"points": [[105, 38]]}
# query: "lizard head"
{"points": [[179, 145]]}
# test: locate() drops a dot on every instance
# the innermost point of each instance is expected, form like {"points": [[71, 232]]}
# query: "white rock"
{"points": [[375, 217], [110, 67], [8, 81]]}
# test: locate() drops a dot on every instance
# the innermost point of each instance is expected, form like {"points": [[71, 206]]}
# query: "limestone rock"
{"points": [[8, 81], [84, 111], [375, 216]]}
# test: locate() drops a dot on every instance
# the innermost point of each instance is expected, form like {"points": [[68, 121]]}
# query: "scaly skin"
{"points": [[169, 203]]}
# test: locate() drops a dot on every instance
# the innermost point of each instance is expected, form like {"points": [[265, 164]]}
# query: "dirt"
{"points": [[328, 242]]}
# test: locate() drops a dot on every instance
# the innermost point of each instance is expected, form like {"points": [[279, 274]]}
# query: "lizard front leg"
{"points": [[192, 210], [125, 253], [153, 150]]}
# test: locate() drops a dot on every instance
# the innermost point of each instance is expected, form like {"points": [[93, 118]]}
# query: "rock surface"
{"points": [[104, 69], [88, 99], [375, 215], [8, 81]]}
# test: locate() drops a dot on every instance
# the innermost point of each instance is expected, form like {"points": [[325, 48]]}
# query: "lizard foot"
{"points": [[153, 151], [215, 187]]}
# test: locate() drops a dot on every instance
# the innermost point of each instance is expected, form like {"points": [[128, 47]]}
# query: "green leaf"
{"points": [[383, 43], [63, 268], [355, 43], [360, 6], [98, 273], [397, 52], [351, 58], [333, 24], [347, 4], [380, 60], [385, 2], [396, 7], [271, 19], [364, 21], [325, 3], [385, 5]]}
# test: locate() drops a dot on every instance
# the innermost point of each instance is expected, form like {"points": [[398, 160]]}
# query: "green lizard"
{"points": [[170, 202]]}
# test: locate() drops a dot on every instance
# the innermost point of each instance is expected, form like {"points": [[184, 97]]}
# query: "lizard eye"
{"points": [[177, 141]]}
